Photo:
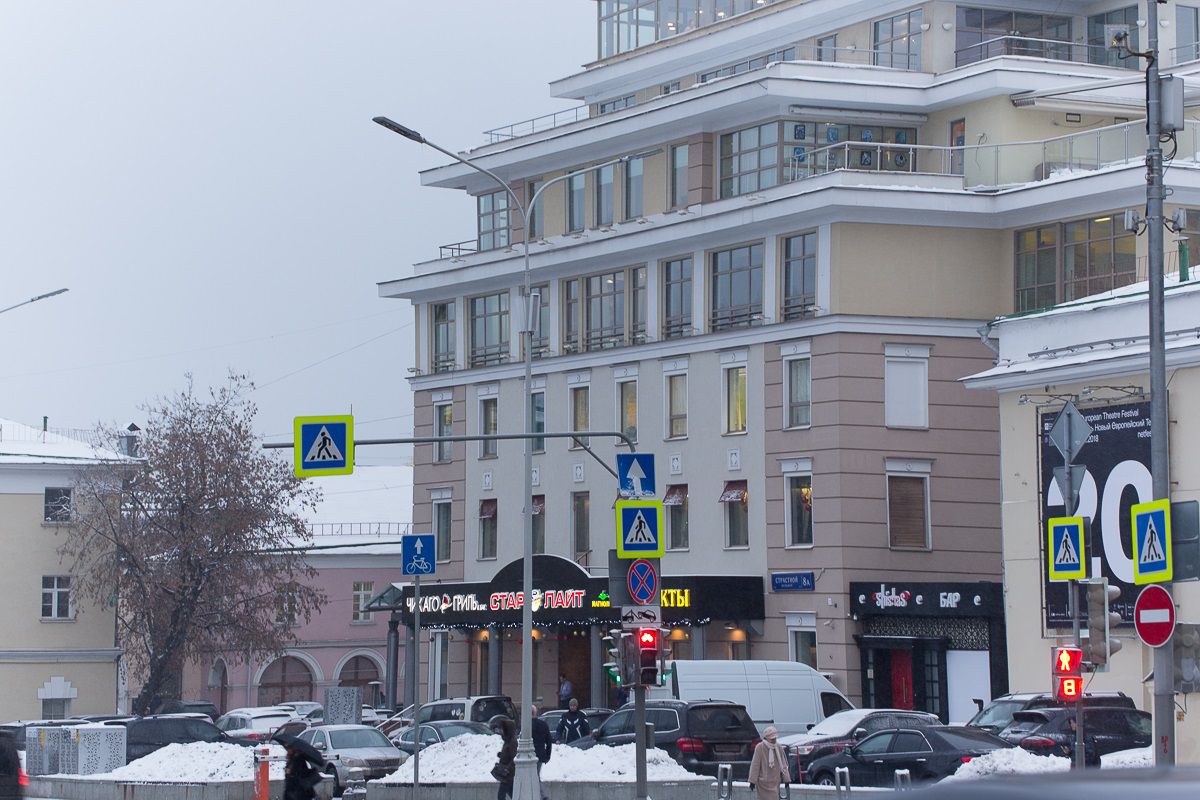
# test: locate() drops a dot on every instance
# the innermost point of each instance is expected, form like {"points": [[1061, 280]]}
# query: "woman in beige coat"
{"points": [[769, 766]]}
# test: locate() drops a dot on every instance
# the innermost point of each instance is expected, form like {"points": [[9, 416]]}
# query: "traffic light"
{"points": [[614, 652], [665, 654], [649, 649], [1100, 623], [1186, 652], [1067, 670]]}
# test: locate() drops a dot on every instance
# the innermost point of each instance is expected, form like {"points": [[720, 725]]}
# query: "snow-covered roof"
{"points": [[25, 445]]}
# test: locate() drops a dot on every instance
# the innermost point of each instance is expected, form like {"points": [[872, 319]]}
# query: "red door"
{"points": [[902, 679]]}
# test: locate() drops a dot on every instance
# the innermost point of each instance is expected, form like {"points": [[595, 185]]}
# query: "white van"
{"points": [[789, 695]]}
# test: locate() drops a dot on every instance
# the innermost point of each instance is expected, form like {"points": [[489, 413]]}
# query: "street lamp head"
{"points": [[396, 127], [643, 154]]}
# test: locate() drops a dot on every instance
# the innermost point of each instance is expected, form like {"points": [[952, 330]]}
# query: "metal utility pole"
{"points": [[639, 737], [416, 791]]}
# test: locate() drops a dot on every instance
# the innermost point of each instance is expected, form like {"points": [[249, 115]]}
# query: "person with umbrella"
{"points": [[303, 770]]}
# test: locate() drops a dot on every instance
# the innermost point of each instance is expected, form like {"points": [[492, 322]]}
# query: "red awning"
{"points": [[735, 492], [676, 495], [539, 504], [487, 509]]}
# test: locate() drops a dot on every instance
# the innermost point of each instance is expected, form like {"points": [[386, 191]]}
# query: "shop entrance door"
{"points": [[575, 661], [902, 679]]}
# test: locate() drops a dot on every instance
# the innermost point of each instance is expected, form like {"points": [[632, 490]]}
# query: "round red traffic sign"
{"points": [[1154, 616]]}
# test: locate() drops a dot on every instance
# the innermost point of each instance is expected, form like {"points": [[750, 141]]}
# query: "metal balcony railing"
{"points": [[542, 123], [458, 249], [358, 528]]}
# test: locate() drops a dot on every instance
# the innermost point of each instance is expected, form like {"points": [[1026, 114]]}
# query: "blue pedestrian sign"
{"points": [[416, 554], [323, 445], [635, 474], [639, 528], [1151, 527], [1066, 549]]}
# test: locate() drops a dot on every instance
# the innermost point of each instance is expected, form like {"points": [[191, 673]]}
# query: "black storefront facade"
{"points": [[572, 609], [935, 647]]}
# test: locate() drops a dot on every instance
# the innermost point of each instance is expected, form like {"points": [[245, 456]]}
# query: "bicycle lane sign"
{"points": [[416, 554]]}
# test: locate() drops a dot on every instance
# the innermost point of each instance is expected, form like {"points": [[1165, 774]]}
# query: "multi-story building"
{"points": [[776, 292], [58, 654]]}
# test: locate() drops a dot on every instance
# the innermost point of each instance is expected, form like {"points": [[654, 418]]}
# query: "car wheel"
{"points": [[823, 779], [331, 771]]}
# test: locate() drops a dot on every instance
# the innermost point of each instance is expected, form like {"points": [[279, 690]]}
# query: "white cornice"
{"points": [[49, 655], [1135, 362]]}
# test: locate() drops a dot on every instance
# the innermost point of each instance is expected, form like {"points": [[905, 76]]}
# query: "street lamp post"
{"points": [[32, 300], [526, 785]]}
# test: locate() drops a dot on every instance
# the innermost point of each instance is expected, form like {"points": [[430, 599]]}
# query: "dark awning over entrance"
{"points": [[564, 593]]}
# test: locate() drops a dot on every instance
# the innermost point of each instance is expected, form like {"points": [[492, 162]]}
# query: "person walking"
{"points": [[768, 767], [542, 745], [573, 724], [10, 769], [300, 775], [505, 769], [565, 690]]}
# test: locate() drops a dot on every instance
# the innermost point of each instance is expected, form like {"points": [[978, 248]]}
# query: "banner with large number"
{"points": [[1117, 460]]}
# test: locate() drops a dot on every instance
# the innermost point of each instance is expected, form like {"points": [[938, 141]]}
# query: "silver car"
{"points": [[355, 747]]}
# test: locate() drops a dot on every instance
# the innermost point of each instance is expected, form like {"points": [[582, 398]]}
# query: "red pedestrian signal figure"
{"points": [[649, 642], [1067, 672]]}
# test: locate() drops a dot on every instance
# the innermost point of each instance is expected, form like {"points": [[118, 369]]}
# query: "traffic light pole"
{"points": [[639, 739]]}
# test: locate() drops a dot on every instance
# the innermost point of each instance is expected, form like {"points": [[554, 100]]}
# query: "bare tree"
{"points": [[195, 538]]}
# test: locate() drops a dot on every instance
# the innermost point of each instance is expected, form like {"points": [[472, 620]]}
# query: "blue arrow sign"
{"points": [[416, 554], [635, 473]]}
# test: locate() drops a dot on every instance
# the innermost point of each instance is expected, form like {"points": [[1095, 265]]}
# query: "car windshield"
{"points": [[364, 737], [269, 722], [839, 724], [719, 719], [1025, 722], [997, 715], [487, 708]]}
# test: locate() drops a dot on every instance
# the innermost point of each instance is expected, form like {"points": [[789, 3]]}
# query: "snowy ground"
{"points": [[1141, 757], [469, 759], [196, 762], [1009, 761]]}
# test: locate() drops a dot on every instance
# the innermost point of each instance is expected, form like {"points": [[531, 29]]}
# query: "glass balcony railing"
{"points": [[1053, 49]]}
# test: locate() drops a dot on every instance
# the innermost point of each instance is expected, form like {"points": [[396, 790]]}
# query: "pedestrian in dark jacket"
{"points": [[541, 738], [300, 777], [10, 769], [573, 724], [505, 769]]}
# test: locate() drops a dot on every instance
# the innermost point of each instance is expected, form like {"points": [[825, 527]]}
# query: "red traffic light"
{"points": [[648, 639], [1068, 688], [1067, 661]]}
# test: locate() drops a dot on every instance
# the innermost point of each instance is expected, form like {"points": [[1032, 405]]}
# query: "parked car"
{"points": [[356, 747], [189, 706], [699, 734], [595, 718], [996, 715], [785, 694], [144, 735], [254, 724], [303, 708], [1106, 729], [836, 733], [929, 754], [435, 732]]}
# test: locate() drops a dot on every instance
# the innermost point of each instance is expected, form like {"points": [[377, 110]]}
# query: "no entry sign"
{"points": [[1154, 616]]}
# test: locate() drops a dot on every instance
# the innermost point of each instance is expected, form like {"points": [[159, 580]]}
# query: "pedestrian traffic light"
{"points": [[649, 648], [1100, 623], [665, 654], [1066, 668], [1068, 688]]}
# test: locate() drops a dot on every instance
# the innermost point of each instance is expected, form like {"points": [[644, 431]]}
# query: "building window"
{"points": [[804, 646], [749, 160], [443, 424], [987, 32], [541, 335], [56, 504], [735, 400], [56, 708], [677, 297], [799, 275], [906, 388], [1098, 256], [441, 529], [799, 518], [539, 523], [600, 305], [1187, 33], [572, 315], [56, 597], [1098, 50], [627, 408], [898, 41], [668, 88], [285, 606], [576, 186], [537, 408], [799, 393], [493, 220], [1037, 268], [580, 413], [489, 423], [739, 648], [737, 287], [604, 195], [487, 529], [675, 503], [637, 305], [908, 511], [605, 310], [609, 106], [737, 522], [441, 318], [677, 406], [489, 329], [537, 225], [634, 197], [679, 176], [363, 592], [749, 65], [827, 48], [580, 524]]}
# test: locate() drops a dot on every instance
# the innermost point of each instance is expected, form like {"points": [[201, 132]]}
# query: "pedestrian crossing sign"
{"points": [[1150, 524], [1066, 548], [639, 528], [323, 445]]}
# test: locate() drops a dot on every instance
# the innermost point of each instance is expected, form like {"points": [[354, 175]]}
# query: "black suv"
{"points": [[144, 735], [841, 730], [699, 735], [1106, 729], [189, 707], [996, 715]]}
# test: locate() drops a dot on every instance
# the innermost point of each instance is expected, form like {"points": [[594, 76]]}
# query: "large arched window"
{"points": [[287, 678]]}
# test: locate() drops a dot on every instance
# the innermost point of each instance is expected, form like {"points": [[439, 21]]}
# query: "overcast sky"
{"points": [[206, 180]]}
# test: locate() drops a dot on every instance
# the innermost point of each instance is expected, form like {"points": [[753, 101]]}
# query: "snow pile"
{"points": [[195, 762], [1009, 761], [469, 759], [1140, 757]]}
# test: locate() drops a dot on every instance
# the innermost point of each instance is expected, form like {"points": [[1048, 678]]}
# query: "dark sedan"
{"points": [[1051, 731], [929, 755], [438, 731]]}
